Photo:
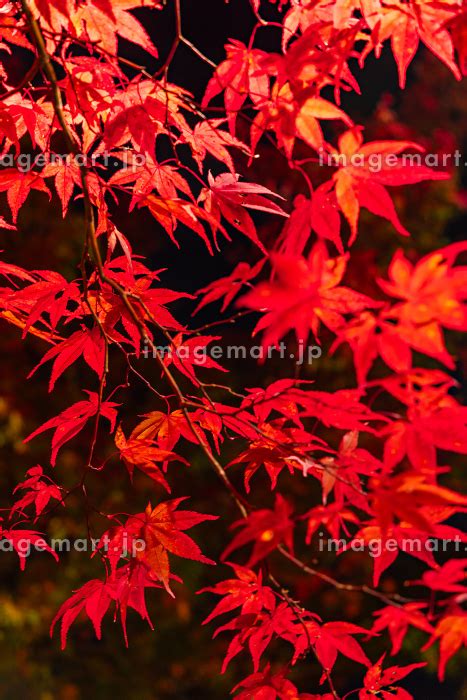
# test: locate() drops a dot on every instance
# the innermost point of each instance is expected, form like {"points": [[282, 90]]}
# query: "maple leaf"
{"points": [[10, 30], [303, 294], [125, 587], [266, 685], [290, 118], [186, 354], [276, 448], [266, 529], [378, 680], [73, 419], [452, 634], [340, 474], [18, 185], [140, 112], [340, 409], [364, 171], [405, 496], [131, 582], [162, 529], [208, 138], [22, 541], [434, 420], [431, 295], [449, 578], [38, 492], [369, 336], [169, 428], [147, 176], [172, 212], [89, 85], [49, 295], [320, 56], [143, 454], [67, 177], [9, 270], [227, 197], [328, 641], [228, 287], [397, 621], [87, 342], [101, 22], [137, 123], [318, 15], [261, 620], [136, 279], [333, 518], [384, 554], [319, 213], [406, 25], [242, 74], [253, 632], [245, 591], [94, 598], [281, 396]]}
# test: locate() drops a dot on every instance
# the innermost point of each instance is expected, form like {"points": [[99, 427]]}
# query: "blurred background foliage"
{"points": [[178, 660]]}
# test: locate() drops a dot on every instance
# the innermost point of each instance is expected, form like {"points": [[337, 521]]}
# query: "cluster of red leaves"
{"points": [[378, 471]]}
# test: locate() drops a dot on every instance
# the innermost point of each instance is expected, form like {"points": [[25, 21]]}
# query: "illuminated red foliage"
{"points": [[379, 472]]}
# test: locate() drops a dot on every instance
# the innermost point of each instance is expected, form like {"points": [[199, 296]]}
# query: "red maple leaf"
{"points": [[73, 419], [431, 295], [162, 529], [125, 587], [266, 685], [364, 171], [228, 287], [405, 26], [451, 632], [18, 186], [49, 295], [293, 117], [87, 342], [449, 578], [328, 640], [38, 492], [266, 529], [242, 74], [276, 448], [397, 621], [246, 591], [186, 354], [22, 541], [304, 293], [382, 681], [143, 453], [227, 197]]}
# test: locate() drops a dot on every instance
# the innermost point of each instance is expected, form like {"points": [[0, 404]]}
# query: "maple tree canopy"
{"points": [[365, 460]]}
